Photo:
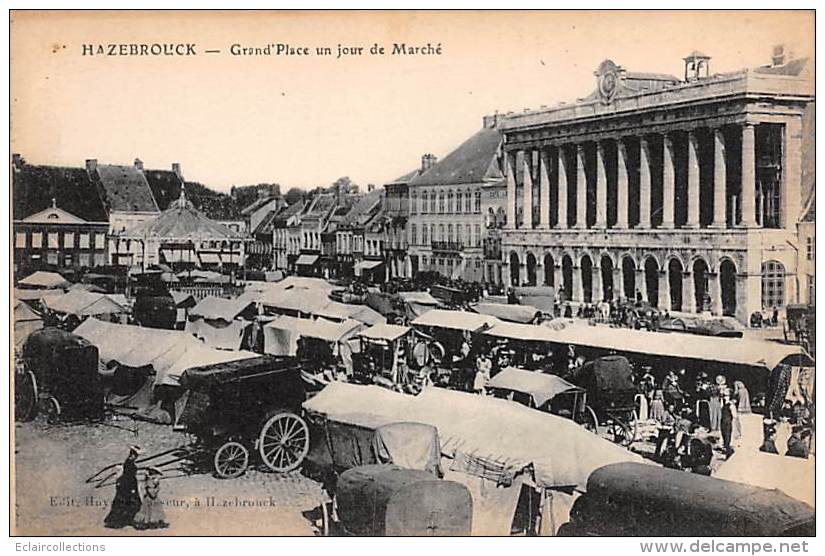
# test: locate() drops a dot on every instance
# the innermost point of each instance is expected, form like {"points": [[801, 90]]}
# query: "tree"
{"points": [[345, 185], [294, 195]]}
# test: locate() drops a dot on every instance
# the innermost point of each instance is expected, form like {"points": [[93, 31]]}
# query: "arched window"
{"points": [[478, 202], [468, 234], [450, 202], [440, 232], [468, 199], [413, 234], [424, 199], [440, 202], [458, 200], [773, 284], [432, 202], [478, 235], [414, 203], [449, 232]]}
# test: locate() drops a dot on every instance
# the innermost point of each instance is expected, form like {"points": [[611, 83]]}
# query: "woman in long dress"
{"points": [[126, 502], [151, 514]]}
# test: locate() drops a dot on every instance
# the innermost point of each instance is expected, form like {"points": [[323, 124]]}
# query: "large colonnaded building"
{"points": [[684, 192]]}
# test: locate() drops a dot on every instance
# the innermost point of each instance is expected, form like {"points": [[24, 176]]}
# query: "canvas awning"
{"points": [[342, 311], [511, 313], [386, 332], [282, 333], [306, 260], [218, 308], [540, 386], [210, 258], [361, 266], [522, 332], [456, 320], [495, 431], [45, 280], [83, 303]]}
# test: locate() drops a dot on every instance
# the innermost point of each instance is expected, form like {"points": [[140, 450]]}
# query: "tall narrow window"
{"points": [[773, 284]]}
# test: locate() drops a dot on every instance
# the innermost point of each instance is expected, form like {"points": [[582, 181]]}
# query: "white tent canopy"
{"points": [[282, 333], [44, 280], [563, 453], [457, 320], [83, 303]]}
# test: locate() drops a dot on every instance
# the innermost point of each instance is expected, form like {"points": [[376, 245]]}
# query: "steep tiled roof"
{"points": [[165, 186], [362, 209], [289, 211], [321, 205], [469, 163], [34, 187], [126, 189], [267, 223], [406, 177], [257, 204]]}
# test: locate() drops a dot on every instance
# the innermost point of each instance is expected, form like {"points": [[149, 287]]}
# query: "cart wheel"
{"points": [[624, 430], [25, 396], [284, 442], [51, 407], [231, 460], [591, 422]]}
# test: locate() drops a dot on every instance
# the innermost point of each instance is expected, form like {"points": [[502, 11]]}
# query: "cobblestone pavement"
{"points": [[53, 461]]}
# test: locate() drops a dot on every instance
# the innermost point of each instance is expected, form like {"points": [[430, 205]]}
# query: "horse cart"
{"points": [[610, 396], [544, 392], [251, 405], [57, 376]]}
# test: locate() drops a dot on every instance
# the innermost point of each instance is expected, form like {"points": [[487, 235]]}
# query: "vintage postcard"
{"points": [[410, 273]]}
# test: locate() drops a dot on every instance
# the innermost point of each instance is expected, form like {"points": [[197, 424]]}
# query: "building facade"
{"points": [[447, 225], [56, 239], [683, 192]]}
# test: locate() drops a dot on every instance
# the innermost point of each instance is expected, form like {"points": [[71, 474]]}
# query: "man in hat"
{"points": [[798, 442], [126, 502]]}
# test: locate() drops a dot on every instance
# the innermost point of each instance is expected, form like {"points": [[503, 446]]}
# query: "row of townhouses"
{"points": [[694, 194]]}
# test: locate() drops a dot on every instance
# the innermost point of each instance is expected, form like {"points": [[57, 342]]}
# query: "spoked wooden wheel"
{"points": [[284, 442], [590, 421], [50, 407], [231, 460], [25, 396], [623, 428]]}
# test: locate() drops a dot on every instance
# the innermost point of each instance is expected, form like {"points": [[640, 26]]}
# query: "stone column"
{"points": [[558, 277], [581, 188], [622, 202], [664, 290], [644, 183], [688, 293], [693, 180], [715, 292], [511, 192], [720, 186], [618, 283], [641, 284], [748, 176], [561, 188], [596, 278], [544, 190], [668, 184], [578, 293], [748, 296], [527, 196], [505, 273], [601, 186]]}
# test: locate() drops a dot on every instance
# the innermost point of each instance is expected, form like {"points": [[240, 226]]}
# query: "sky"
{"points": [[306, 120]]}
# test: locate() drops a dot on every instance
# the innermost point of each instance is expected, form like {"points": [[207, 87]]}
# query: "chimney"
{"points": [[17, 161], [428, 161], [176, 170], [139, 164], [91, 165], [780, 55], [490, 121]]}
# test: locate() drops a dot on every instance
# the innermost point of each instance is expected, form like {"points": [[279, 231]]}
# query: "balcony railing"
{"points": [[451, 246]]}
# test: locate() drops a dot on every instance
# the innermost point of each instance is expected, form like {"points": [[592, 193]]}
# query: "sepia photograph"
{"points": [[503, 273]]}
